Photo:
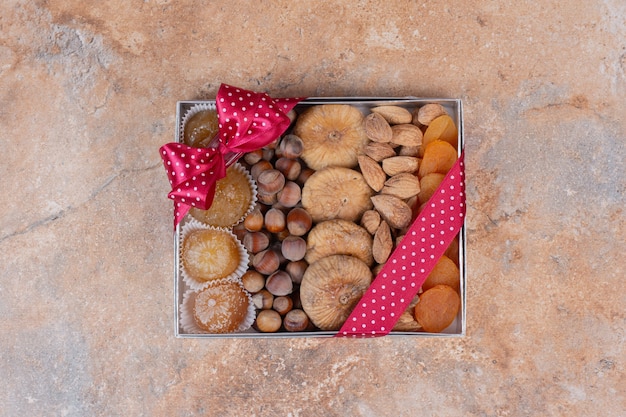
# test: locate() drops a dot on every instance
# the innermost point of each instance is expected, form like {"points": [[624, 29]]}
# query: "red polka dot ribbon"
{"points": [[247, 121], [412, 261]]}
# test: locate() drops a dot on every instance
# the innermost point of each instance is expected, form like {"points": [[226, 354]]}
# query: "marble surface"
{"points": [[87, 96]]}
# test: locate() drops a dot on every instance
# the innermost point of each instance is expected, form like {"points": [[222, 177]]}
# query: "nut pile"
{"points": [[335, 195]]}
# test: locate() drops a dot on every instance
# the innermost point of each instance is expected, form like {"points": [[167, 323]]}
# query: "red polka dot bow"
{"points": [[247, 121], [412, 261]]}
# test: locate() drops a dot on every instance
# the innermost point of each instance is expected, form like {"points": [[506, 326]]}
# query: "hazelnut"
{"points": [[282, 304], [254, 221], [253, 157], [267, 153], [270, 181], [305, 173], [266, 261], [293, 248], [291, 146], [268, 321], [290, 195], [259, 167], [290, 168], [255, 242], [263, 300], [253, 281], [275, 220], [267, 199], [296, 320], [279, 283], [296, 269], [299, 221]]}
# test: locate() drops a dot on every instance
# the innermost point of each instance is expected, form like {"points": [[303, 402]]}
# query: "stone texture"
{"points": [[88, 93]]}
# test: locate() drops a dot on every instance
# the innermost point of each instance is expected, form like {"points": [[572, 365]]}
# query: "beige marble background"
{"points": [[87, 96]]}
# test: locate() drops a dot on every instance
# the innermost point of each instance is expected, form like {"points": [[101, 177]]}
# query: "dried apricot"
{"points": [[428, 185], [439, 156], [441, 128], [445, 272], [437, 308]]}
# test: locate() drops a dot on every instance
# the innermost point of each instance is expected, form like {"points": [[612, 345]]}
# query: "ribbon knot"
{"points": [[247, 121]]}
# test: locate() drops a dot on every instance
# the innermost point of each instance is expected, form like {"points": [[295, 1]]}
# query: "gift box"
{"points": [[414, 254]]}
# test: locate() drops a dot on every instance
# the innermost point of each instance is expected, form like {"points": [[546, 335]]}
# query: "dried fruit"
{"points": [[395, 211], [402, 185], [201, 128], [429, 112], [394, 114], [331, 287], [336, 193], [445, 272], [382, 244], [398, 164], [333, 135], [333, 237], [437, 308], [442, 128], [377, 128], [372, 172], [406, 134], [428, 185], [221, 307], [439, 156], [407, 322]]}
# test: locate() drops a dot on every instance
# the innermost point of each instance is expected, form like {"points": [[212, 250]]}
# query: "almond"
{"points": [[394, 114], [409, 151], [370, 221], [430, 112], [406, 134], [382, 244], [394, 211], [377, 128], [372, 172], [379, 151], [403, 185], [398, 164]]}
